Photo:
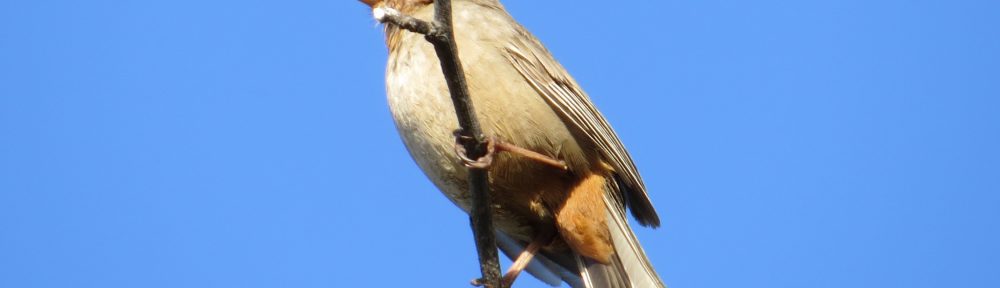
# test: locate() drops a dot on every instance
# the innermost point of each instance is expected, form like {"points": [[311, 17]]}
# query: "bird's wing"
{"points": [[562, 93]]}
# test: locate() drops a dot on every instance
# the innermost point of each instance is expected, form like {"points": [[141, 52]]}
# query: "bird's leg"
{"points": [[504, 146], [493, 145], [525, 257]]}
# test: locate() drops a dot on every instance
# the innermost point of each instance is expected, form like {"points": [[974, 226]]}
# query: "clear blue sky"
{"points": [[246, 143]]}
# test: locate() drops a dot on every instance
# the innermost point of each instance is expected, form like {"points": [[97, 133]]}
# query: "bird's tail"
{"points": [[629, 267]]}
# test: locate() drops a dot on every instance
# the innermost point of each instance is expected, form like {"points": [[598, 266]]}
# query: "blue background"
{"points": [[248, 144]]}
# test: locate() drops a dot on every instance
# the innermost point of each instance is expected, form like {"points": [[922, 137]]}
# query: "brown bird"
{"points": [[574, 214]]}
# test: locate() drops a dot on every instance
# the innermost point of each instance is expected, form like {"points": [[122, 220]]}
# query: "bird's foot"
{"points": [[478, 282], [493, 145], [483, 162]]}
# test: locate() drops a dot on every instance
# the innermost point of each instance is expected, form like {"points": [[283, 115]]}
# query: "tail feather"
{"points": [[630, 264], [595, 274], [629, 267]]}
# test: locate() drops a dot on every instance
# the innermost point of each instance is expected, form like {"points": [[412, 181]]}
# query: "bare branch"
{"points": [[392, 16], [442, 36]]}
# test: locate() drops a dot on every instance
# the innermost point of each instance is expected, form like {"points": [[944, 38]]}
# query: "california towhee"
{"points": [[524, 98]]}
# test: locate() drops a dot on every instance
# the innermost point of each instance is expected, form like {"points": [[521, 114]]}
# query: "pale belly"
{"points": [[508, 109]]}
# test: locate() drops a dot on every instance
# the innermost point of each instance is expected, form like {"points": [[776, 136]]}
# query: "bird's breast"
{"points": [[508, 108]]}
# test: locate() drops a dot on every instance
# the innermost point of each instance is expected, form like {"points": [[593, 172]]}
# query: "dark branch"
{"points": [[394, 17], [442, 36]]}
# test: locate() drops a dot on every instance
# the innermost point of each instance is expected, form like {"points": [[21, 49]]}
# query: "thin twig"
{"points": [[389, 15], [442, 36]]}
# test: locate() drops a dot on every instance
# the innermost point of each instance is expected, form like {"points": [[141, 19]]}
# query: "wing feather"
{"points": [[562, 93]]}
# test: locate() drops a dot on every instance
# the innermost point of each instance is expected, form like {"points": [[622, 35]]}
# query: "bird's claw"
{"points": [[484, 161]]}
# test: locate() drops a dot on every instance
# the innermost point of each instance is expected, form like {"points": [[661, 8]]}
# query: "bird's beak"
{"points": [[370, 3]]}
